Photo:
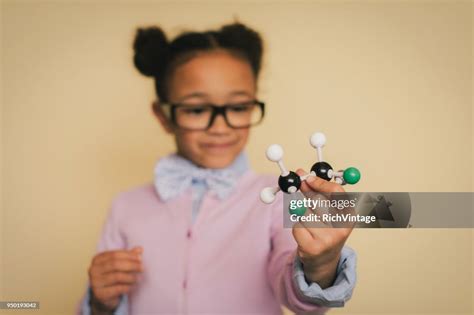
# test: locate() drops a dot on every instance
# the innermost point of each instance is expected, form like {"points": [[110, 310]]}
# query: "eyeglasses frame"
{"points": [[216, 110]]}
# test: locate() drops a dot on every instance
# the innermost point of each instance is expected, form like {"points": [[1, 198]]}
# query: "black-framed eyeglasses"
{"points": [[201, 116]]}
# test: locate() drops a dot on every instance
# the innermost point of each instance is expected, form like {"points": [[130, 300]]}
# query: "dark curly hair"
{"points": [[157, 57]]}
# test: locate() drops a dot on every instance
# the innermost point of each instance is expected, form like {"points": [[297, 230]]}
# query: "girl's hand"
{"points": [[112, 274], [319, 249]]}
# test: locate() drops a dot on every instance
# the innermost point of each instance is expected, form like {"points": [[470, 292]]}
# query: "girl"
{"points": [[198, 239]]}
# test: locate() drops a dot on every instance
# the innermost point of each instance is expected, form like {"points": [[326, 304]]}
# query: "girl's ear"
{"points": [[158, 113]]}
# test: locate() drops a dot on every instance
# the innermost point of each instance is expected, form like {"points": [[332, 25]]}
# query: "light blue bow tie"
{"points": [[174, 174]]}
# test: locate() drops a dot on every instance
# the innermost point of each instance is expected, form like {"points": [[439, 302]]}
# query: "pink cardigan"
{"points": [[236, 258]]}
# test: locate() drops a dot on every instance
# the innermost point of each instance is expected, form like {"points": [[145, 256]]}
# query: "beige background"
{"points": [[389, 82]]}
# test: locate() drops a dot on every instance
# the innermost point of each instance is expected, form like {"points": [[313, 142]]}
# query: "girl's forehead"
{"points": [[213, 75]]}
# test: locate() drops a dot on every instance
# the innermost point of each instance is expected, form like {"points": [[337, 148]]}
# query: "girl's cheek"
{"points": [[244, 134], [189, 143]]}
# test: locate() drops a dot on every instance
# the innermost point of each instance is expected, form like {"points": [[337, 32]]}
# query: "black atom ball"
{"points": [[292, 179], [321, 169]]}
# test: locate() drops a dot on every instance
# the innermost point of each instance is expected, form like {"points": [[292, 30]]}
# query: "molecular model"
{"points": [[290, 182]]}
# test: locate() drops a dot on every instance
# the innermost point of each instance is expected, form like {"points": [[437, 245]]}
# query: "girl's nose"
{"points": [[219, 125]]}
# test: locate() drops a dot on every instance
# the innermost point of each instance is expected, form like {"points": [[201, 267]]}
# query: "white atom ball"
{"points": [[318, 139], [275, 153], [267, 195]]}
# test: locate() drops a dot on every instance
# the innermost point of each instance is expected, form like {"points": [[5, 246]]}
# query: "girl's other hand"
{"points": [[111, 274]]}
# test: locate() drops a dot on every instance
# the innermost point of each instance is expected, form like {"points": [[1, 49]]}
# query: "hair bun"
{"points": [[151, 50], [239, 36]]}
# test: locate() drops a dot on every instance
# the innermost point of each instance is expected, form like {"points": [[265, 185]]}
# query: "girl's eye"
{"points": [[239, 108], [195, 110]]}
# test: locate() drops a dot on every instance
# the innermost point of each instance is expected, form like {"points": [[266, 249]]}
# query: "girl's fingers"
{"points": [[115, 278], [113, 273], [318, 184], [124, 265], [113, 264], [317, 188], [304, 188], [137, 250], [116, 254], [314, 183]]}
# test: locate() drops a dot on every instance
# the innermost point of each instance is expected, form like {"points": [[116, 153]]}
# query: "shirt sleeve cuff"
{"points": [[122, 309], [339, 292]]}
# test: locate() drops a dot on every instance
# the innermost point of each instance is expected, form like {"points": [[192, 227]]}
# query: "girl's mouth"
{"points": [[220, 146]]}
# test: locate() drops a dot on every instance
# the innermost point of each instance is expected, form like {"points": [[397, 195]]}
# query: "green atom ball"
{"points": [[351, 175], [298, 211]]}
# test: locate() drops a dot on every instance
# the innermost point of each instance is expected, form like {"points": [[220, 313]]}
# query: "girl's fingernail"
{"points": [[310, 178]]}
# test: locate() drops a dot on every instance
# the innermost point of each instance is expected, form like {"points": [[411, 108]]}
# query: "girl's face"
{"points": [[215, 77]]}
